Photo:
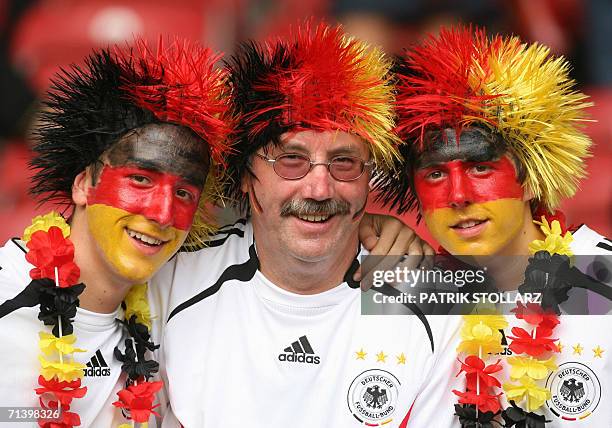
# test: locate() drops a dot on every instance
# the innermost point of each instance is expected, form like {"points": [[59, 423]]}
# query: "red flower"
{"points": [[62, 391], [534, 314], [49, 250], [534, 346], [475, 368], [138, 399], [485, 402], [66, 419]]}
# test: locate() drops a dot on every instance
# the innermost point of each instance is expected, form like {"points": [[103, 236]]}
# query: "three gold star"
{"points": [[381, 357]]}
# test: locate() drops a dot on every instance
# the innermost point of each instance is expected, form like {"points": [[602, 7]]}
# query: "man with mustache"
{"points": [[127, 142], [271, 335], [494, 143]]}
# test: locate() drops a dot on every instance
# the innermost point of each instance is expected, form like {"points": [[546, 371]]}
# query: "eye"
{"points": [[345, 162], [292, 159], [481, 168], [140, 179], [185, 195], [434, 175]]}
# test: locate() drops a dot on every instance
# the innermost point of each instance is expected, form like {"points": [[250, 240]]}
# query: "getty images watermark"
{"points": [[444, 284]]}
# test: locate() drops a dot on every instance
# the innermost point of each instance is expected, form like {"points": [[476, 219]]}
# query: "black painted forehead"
{"points": [[475, 145], [164, 148]]}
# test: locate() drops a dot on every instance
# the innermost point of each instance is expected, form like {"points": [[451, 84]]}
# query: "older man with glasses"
{"points": [[264, 327]]}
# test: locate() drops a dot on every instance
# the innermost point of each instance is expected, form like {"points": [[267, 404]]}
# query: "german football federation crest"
{"points": [[575, 390], [372, 397]]}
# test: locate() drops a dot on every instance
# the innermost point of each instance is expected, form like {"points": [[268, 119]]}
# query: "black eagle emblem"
{"points": [[572, 391], [375, 397]]}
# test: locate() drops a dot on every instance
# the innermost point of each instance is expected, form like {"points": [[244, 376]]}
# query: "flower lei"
{"points": [[54, 277], [479, 404]]}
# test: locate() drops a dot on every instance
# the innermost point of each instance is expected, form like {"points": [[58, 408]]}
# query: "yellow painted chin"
{"points": [[108, 226], [505, 223]]}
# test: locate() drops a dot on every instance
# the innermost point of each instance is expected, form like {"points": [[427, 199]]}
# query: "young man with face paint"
{"points": [[272, 335], [127, 141], [493, 143]]}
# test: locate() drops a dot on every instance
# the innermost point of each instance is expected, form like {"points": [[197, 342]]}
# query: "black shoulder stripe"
{"points": [[605, 246], [392, 291], [242, 221], [221, 241], [242, 272], [217, 242], [17, 241]]}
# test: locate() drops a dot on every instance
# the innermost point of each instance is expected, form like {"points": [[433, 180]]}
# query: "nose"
{"points": [[460, 193], [318, 183], [160, 207]]}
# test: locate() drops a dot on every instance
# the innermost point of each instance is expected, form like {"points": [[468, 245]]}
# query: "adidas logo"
{"points": [[300, 351], [97, 366]]}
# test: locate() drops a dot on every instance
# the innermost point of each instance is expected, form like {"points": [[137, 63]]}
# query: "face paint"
{"points": [[479, 229], [134, 247], [456, 183], [164, 198], [470, 195], [144, 198]]}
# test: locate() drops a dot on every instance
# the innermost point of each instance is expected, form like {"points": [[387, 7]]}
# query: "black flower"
{"points": [[59, 303], [516, 417], [468, 418], [550, 275], [135, 367]]}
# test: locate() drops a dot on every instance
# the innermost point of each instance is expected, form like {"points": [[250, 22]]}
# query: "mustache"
{"points": [[304, 207]]}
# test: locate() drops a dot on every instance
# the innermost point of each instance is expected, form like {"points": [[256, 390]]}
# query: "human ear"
{"points": [[527, 193], [244, 183], [80, 187]]}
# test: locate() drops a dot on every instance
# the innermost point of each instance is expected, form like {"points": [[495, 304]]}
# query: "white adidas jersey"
{"points": [[97, 333], [239, 351]]}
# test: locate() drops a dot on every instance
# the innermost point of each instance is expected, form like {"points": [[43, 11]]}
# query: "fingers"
{"points": [[419, 252], [391, 230], [368, 235]]}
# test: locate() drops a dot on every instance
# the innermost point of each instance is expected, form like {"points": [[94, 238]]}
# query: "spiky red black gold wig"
{"points": [[118, 90], [517, 91], [320, 79]]}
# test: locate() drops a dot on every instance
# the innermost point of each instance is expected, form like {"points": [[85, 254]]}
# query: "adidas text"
{"points": [[97, 371], [300, 358]]}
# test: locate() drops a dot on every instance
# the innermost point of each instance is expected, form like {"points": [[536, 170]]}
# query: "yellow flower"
{"points": [[480, 334], [493, 320], [531, 367], [45, 222], [527, 389], [49, 343], [554, 243], [136, 303], [64, 371]]}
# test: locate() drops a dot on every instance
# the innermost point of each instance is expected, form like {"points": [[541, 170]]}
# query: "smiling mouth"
{"points": [[315, 218], [145, 239], [467, 224]]}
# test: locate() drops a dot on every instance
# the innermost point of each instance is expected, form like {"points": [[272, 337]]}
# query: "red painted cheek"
{"points": [[461, 185], [156, 201]]}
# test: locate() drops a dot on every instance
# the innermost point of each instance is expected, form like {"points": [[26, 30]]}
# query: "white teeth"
{"points": [[144, 238], [314, 218], [469, 223]]}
